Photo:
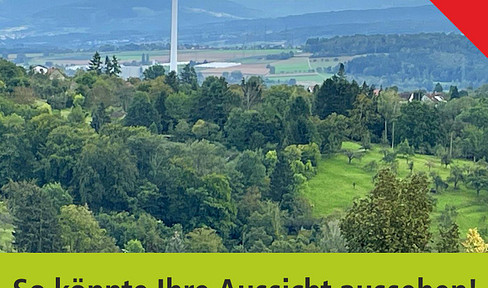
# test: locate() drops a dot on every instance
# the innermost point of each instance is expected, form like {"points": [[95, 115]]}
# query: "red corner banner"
{"points": [[469, 16]]}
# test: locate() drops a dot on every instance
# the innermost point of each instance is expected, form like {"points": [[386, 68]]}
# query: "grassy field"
{"points": [[292, 65], [327, 62], [332, 192]]}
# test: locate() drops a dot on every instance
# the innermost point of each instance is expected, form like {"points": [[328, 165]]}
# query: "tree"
{"points": [[336, 95], [389, 108], [342, 71], [418, 123], [406, 150], [350, 154], [438, 88], [7, 238], [172, 81], [204, 240], [108, 66], [300, 129], [331, 240], [59, 196], [362, 116], [282, 179], [389, 156], [478, 179], [81, 233], [448, 232], [15, 149], [454, 92], [394, 217], [153, 72], [253, 91], [115, 71], [214, 101], [333, 130], [35, 218], [99, 117], [59, 155], [474, 243], [141, 112], [96, 63], [176, 244], [457, 174], [105, 176], [217, 210], [250, 164], [134, 246], [189, 76], [446, 160], [439, 183]]}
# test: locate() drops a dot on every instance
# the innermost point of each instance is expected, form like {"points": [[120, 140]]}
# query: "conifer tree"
{"points": [[108, 66], [96, 63], [115, 66]]}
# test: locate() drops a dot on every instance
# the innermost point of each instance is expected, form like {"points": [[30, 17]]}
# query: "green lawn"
{"points": [[332, 191]]}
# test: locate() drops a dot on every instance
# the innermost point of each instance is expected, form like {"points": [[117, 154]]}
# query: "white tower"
{"points": [[174, 38]]}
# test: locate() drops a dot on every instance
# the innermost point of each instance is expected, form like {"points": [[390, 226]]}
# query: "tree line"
{"points": [[94, 163], [410, 61]]}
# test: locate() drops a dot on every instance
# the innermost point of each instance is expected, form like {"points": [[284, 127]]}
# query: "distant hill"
{"points": [[88, 23], [27, 18], [297, 29], [280, 8]]}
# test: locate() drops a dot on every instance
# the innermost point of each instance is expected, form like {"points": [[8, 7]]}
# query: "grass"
{"points": [[292, 65], [332, 191], [327, 62]]}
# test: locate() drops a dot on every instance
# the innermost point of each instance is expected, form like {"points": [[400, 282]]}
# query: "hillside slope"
{"points": [[332, 191]]}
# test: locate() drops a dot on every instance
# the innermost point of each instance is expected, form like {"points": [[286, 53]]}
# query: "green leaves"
{"points": [[393, 218]]}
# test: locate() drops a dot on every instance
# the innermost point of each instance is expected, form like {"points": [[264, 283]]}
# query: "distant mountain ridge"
{"points": [[280, 8], [82, 23], [299, 28]]}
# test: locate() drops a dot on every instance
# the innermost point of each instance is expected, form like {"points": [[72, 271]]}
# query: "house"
{"points": [[55, 73], [435, 98], [39, 69]]}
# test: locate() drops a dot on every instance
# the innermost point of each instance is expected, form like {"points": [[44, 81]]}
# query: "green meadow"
{"points": [[338, 184]]}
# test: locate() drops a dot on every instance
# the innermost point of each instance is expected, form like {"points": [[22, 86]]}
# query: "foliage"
{"points": [[80, 232], [154, 72], [448, 232], [35, 217], [204, 240], [474, 243], [394, 217], [96, 63], [141, 112]]}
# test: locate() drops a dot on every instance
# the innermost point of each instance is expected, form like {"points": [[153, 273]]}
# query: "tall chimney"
{"points": [[174, 37]]}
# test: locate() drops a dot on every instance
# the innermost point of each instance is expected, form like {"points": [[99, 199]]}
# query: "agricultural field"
{"points": [[295, 65], [332, 190], [301, 67], [162, 56]]}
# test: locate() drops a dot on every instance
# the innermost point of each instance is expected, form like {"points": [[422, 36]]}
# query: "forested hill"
{"points": [[95, 163], [408, 60], [393, 43], [296, 29], [209, 22]]}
